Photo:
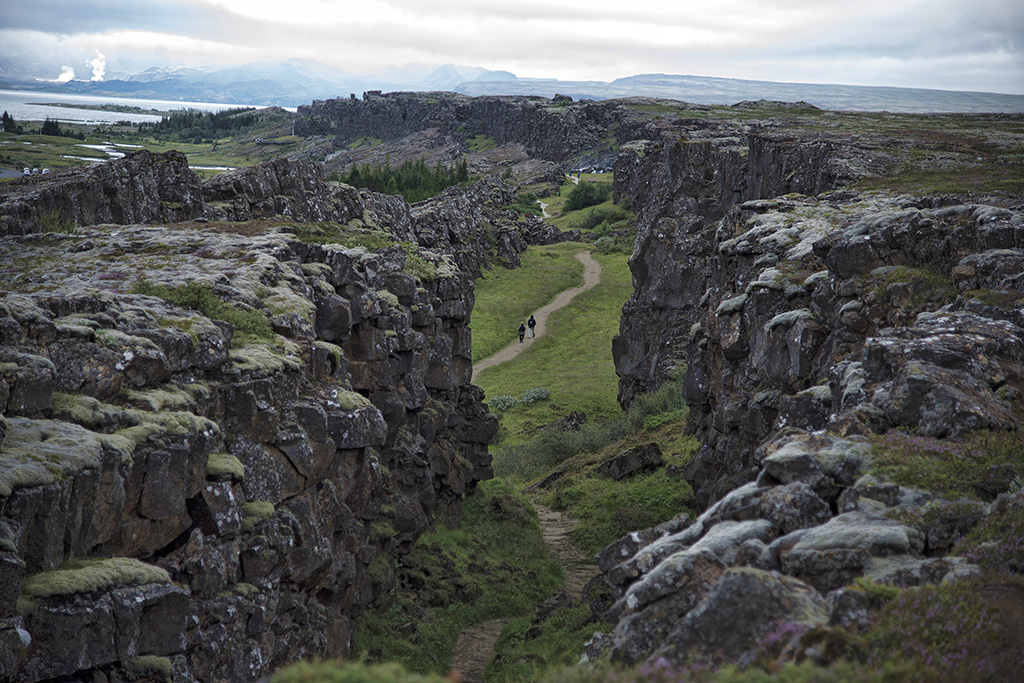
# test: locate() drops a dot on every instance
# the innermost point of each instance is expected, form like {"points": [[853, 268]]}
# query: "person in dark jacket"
{"points": [[532, 323], [522, 332]]}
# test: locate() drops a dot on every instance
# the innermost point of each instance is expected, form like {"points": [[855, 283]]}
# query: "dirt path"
{"points": [[591, 277], [474, 649], [579, 568], [475, 645], [544, 209]]}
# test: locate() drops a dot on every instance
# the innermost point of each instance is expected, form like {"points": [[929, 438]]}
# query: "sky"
{"points": [[974, 45]]}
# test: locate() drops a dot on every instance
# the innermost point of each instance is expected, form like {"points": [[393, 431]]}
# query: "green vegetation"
{"points": [[977, 466], [224, 467], [334, 671], [526, 204], [587, 194], [528, 647], [56, 221], [415, 181], [52, 127], [495, 564], [481, 143], [573, 360], [87, 576], [192, 125], [199, 297], [505, 297]]}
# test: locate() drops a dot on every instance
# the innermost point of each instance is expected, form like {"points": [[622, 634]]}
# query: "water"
{"points": [[27, 106]]}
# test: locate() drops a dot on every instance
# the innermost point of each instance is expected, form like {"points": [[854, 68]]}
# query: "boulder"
{"points": [[644, 458], [734, 617]]}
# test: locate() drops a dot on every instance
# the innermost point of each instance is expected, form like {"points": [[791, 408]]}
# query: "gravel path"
{"points": [[591, 277]]}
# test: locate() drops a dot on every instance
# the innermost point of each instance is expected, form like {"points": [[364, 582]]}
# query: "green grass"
{"points": [[573, 360], [506, 297], [527, 648], [481, 143], [199, 297], [978, 465], [608, 509], [495, 565]]}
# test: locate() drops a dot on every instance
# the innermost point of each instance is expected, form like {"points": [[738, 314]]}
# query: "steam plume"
{"points": [[99, 66]]}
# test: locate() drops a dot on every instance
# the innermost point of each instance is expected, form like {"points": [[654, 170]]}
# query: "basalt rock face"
{"points": [[550, 130], [846, 312], [807, 324], [141, 187], [211, 489]]}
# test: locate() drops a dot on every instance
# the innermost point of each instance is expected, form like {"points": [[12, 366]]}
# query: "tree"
{"points": [[50, 127]]}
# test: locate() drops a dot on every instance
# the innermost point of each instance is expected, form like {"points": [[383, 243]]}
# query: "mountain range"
{"points": [[297, 81]]}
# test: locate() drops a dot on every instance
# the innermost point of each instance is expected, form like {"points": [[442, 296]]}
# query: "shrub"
{"points": [[997, 544], [587, 194], [979, 465], [503, 402], [946, 629], [55, 221], [531, 396]]}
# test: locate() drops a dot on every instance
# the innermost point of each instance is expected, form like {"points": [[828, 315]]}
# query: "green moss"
{"points": [[224, 466], [260, 358], [85, 410], [245, 589], [255, 512], [333, 350], [40, 452], [348, 400], [89, 576], [151, 665], [389, 297], [199, 297]]}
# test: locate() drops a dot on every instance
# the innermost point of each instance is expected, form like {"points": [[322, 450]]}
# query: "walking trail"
{"points": [[475, 646], [591, 277]]}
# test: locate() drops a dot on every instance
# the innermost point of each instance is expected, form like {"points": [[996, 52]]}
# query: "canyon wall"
{"points": [[219, 435]]}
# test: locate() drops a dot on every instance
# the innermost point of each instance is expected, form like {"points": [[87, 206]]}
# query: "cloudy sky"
{"points": [[947, 44]]}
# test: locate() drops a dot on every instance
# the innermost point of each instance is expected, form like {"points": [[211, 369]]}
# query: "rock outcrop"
{"points": [[217, 436], [808, 320], [141, 187]]}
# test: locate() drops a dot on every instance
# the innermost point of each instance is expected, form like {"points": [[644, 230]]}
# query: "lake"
{"points": [[27, 105]]}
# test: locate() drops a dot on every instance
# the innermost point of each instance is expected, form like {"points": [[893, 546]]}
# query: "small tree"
{"points": [[50, 127]]}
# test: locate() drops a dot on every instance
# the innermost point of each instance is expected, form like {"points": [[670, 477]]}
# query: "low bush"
{"points": [[495, 564], [979, 465], [503, 402], [531, 396], [587, 194]]}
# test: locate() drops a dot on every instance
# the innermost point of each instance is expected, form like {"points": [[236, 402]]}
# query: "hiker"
{"points": [[532, 323], [522, 332]]}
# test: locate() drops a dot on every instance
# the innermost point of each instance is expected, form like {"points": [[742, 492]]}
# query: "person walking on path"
{"points": [[522, 332], [532, 323]]}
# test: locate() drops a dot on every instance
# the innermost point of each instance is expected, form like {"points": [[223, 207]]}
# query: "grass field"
{"points": [[504, 297], [573, 361]]}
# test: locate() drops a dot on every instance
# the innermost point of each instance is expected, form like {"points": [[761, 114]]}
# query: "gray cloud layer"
{"points": [[951, 44]]}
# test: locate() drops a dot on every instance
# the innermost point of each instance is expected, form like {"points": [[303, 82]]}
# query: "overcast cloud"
{"points": [[946, 44]]}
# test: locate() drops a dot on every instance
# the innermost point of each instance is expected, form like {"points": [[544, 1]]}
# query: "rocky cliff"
{"points": [[218, 435], [833, 341], [554, 130]]}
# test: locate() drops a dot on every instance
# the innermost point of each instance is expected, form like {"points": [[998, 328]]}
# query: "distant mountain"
{"points": [[708, 90], [300, 81]]}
